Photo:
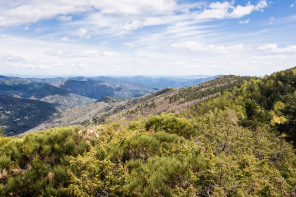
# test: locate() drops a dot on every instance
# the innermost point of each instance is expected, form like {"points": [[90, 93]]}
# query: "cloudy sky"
{"points": [[146, 37]]}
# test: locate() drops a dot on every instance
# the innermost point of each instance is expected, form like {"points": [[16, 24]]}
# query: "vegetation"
{"points": [[268, 101], [27, 89], [164, 155], [233, 144], [171, 99], [18, 115], [207, 89]]}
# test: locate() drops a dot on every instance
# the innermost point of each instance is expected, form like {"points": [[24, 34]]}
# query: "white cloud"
{"points": [[241, 11], [195, 46], [262, 4], [216, 10], [81, 32], [244, 22], [111, 53], [275, 49], [64, 18], [131, 25], [4, 59], [90, 53], [57, 52], [35, 10], [125, 7], [65, 39], [226, 9]]}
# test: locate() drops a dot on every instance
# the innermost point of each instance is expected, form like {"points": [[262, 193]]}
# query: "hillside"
{"points": [[19, 115], [228, 145], [75, 116], [166, 100], [27, 89], [170, 99], [269, 101]]}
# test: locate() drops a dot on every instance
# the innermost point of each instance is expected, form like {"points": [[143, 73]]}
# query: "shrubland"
{"points": [[238, 143]]}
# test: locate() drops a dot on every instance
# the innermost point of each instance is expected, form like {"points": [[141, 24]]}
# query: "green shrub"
{"points": [[171, 124]]}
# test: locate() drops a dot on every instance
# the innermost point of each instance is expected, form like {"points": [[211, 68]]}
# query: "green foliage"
{"points": [[1, 132], [225, 146], [269, 101], [171, 124], [288, 110], [37, 164], [165, 155]]}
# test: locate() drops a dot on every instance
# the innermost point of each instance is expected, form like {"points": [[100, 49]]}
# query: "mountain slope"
{"points": [[269, 101], [27, 89], [74, 116], [19, 115], [171, 99]]}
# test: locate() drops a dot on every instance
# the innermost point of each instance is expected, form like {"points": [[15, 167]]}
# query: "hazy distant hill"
{"points": [[18, 115], [159, 82], [100, 89]]}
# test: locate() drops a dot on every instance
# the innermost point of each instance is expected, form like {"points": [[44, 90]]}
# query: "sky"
{"points": [[146, 37]]}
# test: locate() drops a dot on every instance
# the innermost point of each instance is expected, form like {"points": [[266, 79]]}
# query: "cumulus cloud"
{"points": [[275, 49], [195, 46], [262, 4], [226, 9]]}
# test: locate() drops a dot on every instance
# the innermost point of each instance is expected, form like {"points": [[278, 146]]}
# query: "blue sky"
{"points": [[146, 37]]}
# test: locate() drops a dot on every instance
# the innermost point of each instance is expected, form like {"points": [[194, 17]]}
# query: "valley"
{"points": [[75, 100]]}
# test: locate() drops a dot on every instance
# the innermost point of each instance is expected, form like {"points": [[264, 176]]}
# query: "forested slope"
{"points": [[170, 99], [19, 115], [267, 101]]}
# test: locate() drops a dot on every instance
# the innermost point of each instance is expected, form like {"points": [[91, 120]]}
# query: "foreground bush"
{"points": [[166, 155]]}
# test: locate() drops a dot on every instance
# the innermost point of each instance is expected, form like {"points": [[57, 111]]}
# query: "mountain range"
{"points": [[66, 93]]}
